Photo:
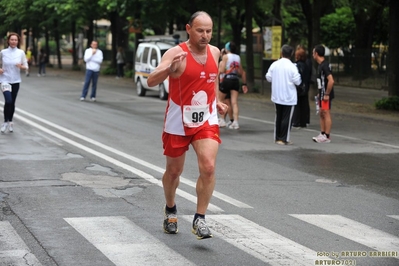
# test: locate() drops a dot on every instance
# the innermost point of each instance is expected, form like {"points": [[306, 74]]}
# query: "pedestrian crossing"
{"points": [[355, 231], [125, 243], [13, 250]]}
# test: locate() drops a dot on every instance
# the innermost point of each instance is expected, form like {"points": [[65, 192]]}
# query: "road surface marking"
{"points": [[352, 230], [183, 180], [13, 250], [394, 216], [258, 241], [144, 175], [317, 131], [125, 243]]}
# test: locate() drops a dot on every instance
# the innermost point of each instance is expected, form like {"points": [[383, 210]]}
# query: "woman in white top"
{"points": [[12, 60], [232, 69]]}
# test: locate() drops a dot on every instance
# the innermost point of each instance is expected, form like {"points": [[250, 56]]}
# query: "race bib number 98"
{"points": [[5, 87], [195, 115]]}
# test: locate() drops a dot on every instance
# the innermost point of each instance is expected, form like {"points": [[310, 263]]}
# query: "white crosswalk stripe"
{"points": [[14, 251], [258, 241], [394, 216], [125, 243], [355, 231]]}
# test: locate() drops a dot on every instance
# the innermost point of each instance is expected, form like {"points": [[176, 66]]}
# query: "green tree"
{"points": [[338, 28], [366, 14]]}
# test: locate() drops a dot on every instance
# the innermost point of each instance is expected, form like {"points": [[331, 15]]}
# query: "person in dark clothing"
{"points": [[42, 63], [301, 115], [325, 84]]}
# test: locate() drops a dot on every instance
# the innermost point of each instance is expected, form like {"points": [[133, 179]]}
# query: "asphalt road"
{"points": [[80, 184]]}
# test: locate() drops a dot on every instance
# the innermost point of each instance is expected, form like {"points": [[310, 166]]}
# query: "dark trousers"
{"points": [[282, 124], [42, 68], [302, 112], [9, 106], [120, 69]]}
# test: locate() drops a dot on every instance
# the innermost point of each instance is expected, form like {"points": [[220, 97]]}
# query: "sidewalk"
{"points": [[350, 101]]}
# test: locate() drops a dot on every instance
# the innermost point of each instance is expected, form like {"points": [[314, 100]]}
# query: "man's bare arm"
{"points": [[170, 64]]}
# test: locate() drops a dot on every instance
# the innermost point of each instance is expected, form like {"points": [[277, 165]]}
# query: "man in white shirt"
{"points": [[93, 58], [283, 75]]}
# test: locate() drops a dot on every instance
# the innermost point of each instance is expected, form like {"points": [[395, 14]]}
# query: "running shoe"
{"points": [[170, 222], [201, 229], [93, 99], [11, 127], [82, 99], [322, 139], [222, 123], [4, 127], [317, 137], [234, 125]]}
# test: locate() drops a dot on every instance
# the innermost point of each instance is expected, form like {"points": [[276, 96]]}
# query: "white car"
{"points": [[148, 56]]}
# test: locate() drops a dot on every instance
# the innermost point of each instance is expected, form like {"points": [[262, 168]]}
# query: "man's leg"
{"points": [[277, 122], [170, 179], [286, 121], [325, 127], [87, 83], [325, 121], [94, 85], [206, 150]]}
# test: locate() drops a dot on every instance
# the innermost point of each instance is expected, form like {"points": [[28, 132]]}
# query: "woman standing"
{"points": [[301, 115], [120, 62], [42, 63], [12, 61]]}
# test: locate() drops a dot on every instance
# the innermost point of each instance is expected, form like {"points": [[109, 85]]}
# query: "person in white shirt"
{"points": [[283, 75], [93, 58], [12, 60]]}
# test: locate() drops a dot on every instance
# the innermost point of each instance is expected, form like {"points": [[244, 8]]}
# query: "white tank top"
{"points": [[232, 66]]}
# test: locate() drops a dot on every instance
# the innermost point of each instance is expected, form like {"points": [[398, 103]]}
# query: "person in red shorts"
{"points": [[325, 83], [191, 117]]}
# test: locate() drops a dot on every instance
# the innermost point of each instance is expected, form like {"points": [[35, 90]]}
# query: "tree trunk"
{"points": [[393, 54], [363, 43], [316, 14], [308, 12], [365, 20], [250, 72], [74, 50], [57, 43]]}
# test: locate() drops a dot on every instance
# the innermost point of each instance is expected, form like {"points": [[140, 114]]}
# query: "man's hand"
{"points": [[176, 62], [222, 108]]}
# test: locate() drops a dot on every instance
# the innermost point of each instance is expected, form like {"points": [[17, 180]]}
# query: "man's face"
{"points": [[201, 30], [314, 54], [94, 45]]}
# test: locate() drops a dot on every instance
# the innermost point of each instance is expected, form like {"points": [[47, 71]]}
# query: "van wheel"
{"points": [[163, 95], [140, 89]]}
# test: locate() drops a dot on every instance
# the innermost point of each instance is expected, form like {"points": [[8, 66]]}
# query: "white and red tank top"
{"points": [[192, 99], [232, 66]]}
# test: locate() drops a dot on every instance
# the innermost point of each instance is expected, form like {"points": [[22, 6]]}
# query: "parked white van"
{"points": [[148, 56]]}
